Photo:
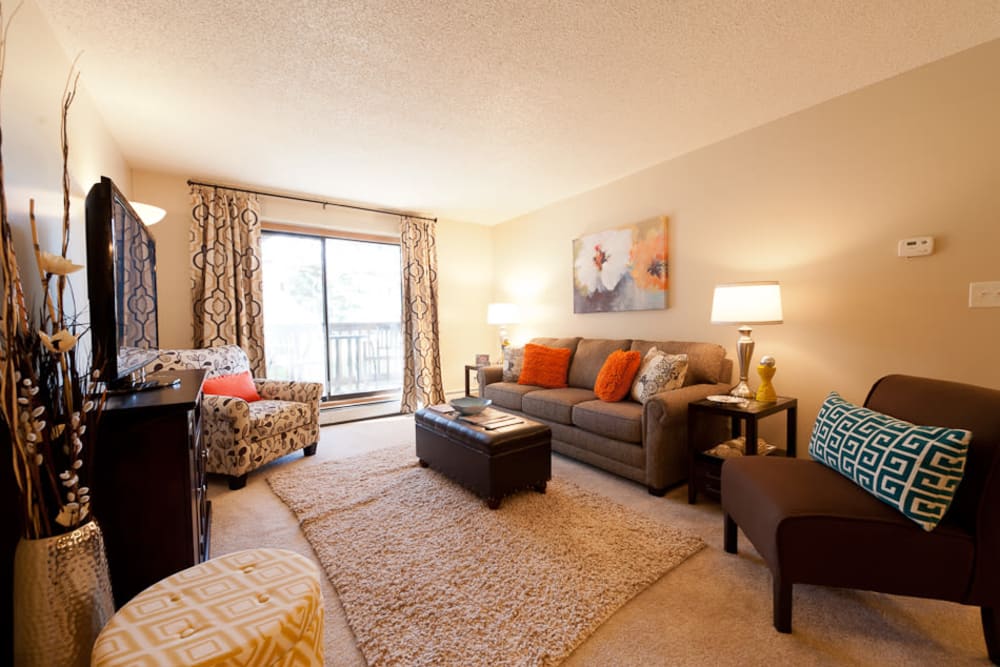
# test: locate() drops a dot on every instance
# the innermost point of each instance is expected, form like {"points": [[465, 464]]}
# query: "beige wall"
{"points": [[817, 201], [34, 76], [464, 261]]}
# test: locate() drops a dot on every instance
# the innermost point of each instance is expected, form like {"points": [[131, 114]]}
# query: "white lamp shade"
{"points": [[747, 303], [502, 313], [150, 214]]}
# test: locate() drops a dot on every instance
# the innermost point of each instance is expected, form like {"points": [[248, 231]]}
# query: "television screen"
{"points": [[121, 277]]}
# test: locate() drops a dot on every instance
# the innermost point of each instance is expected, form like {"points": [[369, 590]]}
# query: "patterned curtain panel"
{"points": [[422, 383], [226, 290]]}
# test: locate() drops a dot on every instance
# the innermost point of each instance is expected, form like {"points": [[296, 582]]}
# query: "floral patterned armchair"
{"points": [[241, 436]]}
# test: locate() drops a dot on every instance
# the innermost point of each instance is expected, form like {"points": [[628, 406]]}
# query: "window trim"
{"points": [[326, 232]]}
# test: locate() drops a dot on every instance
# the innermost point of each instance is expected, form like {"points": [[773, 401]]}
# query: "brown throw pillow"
{"points": [[616, 375], [545, 366]]}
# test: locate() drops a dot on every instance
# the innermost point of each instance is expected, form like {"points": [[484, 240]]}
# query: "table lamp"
{"points": [[745, 304], [502, 314]]}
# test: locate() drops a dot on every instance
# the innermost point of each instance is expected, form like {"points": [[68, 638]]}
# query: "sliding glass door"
{"points": [[332, 313]]}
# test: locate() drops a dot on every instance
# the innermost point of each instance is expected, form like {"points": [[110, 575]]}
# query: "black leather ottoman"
{"points": [[493, 463]]}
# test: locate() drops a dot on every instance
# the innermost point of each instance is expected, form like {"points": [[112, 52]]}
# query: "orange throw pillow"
{"points": [[240, 385], [545, 366], [615, 377]]}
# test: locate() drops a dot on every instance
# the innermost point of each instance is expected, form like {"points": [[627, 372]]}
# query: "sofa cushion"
{"points": [[555, 405], [545, 366], [915, 469], [816, 517], [568, 343], [704, 359], [220, 360], [507, 394], [659, 372], [269, 418], [513, 361], [615, 379], [588, 359], [621, 420]]}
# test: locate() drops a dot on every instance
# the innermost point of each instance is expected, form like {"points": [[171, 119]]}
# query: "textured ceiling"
{"points": [[482, 110]]}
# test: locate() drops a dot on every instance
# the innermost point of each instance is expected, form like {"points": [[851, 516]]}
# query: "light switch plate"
{"points": [[984, 295]]}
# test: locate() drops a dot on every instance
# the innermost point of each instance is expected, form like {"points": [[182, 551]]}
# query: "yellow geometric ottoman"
{"points": [[253, 607]]}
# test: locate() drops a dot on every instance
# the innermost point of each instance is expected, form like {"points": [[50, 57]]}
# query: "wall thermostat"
{"points": [[918, 246]]}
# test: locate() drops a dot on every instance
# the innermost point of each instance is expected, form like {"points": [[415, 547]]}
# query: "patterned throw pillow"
{"points": [[513, 360], [916, 469], [616, 375], [659, 372], [545, 366]]}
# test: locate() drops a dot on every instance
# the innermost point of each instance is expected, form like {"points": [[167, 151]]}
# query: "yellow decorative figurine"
{"points": [[765, 392]]}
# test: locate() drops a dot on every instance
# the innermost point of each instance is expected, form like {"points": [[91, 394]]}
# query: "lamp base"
{"points": [[742, 390]]}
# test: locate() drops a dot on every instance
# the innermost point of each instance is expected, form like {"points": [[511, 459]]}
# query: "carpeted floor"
{"points": [[714, 609], [429, 576]]}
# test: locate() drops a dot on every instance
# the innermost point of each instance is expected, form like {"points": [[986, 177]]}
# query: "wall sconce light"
{"points": [[149, 214]]}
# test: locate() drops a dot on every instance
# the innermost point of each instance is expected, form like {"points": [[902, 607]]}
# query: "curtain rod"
{"points": [[310, 201]]}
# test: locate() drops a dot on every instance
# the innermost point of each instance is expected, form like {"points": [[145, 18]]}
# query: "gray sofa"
{"points": [[646, 443]]}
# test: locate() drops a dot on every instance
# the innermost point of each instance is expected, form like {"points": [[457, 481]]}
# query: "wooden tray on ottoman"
{"points": [[490, 462]]}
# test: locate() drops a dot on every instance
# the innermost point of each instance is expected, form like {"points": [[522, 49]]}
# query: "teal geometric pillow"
{"points": [[916, 469]]}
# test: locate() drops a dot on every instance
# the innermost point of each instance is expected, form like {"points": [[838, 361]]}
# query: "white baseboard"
{"points": [[350, 413]]}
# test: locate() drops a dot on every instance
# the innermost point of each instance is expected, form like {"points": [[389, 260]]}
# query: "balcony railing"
{"points": [[364, 357]]}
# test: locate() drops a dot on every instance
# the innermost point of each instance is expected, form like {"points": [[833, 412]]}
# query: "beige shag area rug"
{"points": [[429, 576]]}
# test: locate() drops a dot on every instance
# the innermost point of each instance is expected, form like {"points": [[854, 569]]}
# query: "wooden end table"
{"points": [[469, 367], [704, 470]]}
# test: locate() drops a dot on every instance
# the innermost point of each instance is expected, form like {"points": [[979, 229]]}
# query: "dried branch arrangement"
{"points": [[47, 404]]}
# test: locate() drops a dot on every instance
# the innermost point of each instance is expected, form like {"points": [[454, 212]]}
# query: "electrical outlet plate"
{"points": [[984, 295]]}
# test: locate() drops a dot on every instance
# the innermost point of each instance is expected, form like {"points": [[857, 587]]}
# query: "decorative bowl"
{"points": [[470, 405]]}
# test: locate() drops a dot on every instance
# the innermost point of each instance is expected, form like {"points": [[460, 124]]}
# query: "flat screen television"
{"points": [[121, 284]]}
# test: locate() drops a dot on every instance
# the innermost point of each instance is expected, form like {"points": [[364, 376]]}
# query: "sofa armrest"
{"points": [[225, 418], [289, 390], [665, 432], [488, 375]]}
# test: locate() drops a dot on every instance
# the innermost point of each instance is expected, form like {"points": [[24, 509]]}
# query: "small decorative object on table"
{"points": [[482, 360], [470, 405], [766, 392]]}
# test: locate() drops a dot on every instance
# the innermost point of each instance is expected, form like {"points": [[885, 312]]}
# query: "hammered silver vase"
{"points": [[62, 597]]}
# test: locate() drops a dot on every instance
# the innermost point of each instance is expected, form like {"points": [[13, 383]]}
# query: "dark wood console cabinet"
{"points": [[149, 485]]}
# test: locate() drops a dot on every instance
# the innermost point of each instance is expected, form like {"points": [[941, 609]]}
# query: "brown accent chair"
{"points": [[812, 525]]}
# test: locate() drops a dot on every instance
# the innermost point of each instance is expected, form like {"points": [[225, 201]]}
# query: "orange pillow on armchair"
{"points": [[545, 366], [615, 378], [239, 385]]}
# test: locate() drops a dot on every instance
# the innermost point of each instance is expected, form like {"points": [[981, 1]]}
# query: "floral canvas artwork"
{"points": [[621, 269]]}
